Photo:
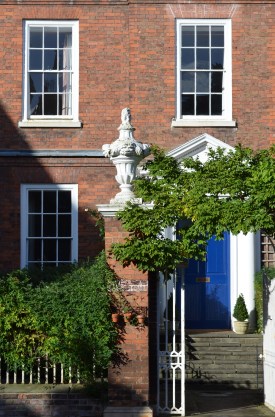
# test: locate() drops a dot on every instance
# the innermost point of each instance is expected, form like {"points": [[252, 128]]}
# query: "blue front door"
{"points": [[207, 288]]}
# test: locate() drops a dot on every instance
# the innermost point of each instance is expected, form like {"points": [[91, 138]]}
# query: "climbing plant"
{"points": [[66, 319]]}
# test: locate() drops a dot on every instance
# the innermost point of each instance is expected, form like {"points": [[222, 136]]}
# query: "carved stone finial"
{"points": [[125, 153]]}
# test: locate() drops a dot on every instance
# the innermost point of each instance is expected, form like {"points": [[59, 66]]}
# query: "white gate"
{"points": [[269, 348], [171, 346]]}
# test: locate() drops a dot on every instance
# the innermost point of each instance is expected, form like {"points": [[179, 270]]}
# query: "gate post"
{"points": [[128, 383]]}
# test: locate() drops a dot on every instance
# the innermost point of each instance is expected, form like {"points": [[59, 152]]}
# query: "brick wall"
{"points": [[129, 382], [49, 405], [127, 58], [87, 173]]}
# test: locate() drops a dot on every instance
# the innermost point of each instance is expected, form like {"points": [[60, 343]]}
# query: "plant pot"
{"points": [[115, 317], [241, 327], [127, 317], [140, 318]]}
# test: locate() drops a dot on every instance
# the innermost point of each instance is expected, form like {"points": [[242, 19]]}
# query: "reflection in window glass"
{"points": [[50, 70], [188, 36], [202, 35]]}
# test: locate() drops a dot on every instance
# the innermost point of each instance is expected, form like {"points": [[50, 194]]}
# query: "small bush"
{"points": [[240, 311]]}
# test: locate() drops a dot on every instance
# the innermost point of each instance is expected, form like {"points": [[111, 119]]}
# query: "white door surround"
{"points": [[244, 249]]}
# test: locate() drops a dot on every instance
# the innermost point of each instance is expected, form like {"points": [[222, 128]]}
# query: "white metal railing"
{"points": [[171, 347], [269, 346], [43, 372]]}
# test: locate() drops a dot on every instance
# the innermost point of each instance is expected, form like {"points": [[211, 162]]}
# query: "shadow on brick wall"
{"points": [[20, 165]]}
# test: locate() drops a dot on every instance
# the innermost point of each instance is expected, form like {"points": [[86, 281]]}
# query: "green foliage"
{"points": [[269, 274], [258, 290], [240, 311], [21, 336], [67, 319], [231, 191]]}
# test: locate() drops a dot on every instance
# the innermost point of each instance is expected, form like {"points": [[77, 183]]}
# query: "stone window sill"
{"points": [[50, 123], [203, 123]]}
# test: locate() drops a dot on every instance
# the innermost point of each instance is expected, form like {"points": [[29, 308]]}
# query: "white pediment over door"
{"points": [[198, 147]]}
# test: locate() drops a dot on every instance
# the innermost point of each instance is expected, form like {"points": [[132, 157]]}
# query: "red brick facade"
{"points": [[127, 58], [127, 55]]}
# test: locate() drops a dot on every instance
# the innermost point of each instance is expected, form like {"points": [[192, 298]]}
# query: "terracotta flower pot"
{"points": [[127, 317], [140, 318], [115, 317]]}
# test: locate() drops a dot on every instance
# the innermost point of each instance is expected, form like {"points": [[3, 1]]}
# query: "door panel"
{"points": [[207, 288]]}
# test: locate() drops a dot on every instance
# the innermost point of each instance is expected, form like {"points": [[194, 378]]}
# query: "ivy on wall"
{"points": [[64, 315]]}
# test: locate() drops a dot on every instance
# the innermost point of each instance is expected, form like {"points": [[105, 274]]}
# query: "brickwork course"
{"points": [[127, 58]]}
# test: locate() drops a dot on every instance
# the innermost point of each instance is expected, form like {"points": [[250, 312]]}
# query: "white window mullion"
{"points": [[226, 92], [195, 70], [72, 107]]}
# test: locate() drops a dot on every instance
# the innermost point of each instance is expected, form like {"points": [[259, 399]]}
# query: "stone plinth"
{"points": [[128, 412]]}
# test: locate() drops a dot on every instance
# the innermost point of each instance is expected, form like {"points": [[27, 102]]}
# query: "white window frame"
{"points": [[226, 118], [24, 217], [52, 120]]}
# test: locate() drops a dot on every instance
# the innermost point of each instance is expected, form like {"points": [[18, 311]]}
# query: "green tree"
{"points": [[232, 191]]}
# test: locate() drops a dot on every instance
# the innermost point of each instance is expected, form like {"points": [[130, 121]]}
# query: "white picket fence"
{"points": [[43, 372]]}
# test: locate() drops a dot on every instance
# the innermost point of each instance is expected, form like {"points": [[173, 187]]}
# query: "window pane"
{"points": [[188, 104], [65, 104], [187, 82], [65, 82], [50, 59], [217, 36], [50, 83], [187, 59], [49, 250], [64, 250], [34, 250], [36, 37], [202, 82], [49, 202], [203, 59], [65, 59], [65, 37], [34, 225], [50, 104], [216, 104], [34, 201], [217, 58], [35, 82], [202, 104], [50, 37], [49, 225], [188, 36], [64, 225], [203, 36], [64, 202], [35, 60], [216, 82], [35, 104]]}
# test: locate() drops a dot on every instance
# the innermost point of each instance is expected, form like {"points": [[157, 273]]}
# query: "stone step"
{"points": [[227, 358]]}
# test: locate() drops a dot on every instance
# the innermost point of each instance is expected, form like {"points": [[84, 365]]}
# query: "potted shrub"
{"points": [[240, 313]]}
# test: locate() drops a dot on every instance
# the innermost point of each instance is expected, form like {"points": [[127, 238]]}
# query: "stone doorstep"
{"points": [[128, 412]]}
